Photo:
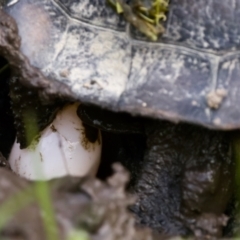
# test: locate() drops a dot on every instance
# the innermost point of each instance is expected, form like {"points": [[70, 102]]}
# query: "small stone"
{"points": [[217, 121], [215, 98], [194, 103], [64, 73]]}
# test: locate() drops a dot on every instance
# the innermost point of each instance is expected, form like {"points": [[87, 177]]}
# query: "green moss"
{"points": [[146, 18]]}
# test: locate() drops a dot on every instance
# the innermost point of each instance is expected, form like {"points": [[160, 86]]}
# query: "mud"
{"points": [[97, 208], [186, 181], [30, 115], [184, 177]]}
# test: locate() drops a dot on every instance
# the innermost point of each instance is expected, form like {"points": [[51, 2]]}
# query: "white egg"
{"points": [[62, 149]]}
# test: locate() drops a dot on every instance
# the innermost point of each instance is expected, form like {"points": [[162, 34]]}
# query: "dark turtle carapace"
{"points": [[164, 102]]}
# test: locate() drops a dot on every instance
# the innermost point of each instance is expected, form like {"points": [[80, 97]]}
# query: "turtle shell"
{"points": [[192, 73]]}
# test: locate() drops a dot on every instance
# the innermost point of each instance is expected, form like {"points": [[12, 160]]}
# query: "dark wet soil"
{"points": [[182, 174], [97, 208]]}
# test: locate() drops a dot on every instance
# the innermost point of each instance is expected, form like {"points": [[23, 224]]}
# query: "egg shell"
{"points": [[62, 149]]}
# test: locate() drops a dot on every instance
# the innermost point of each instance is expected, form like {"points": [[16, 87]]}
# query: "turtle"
{"points": [[178, 92]]}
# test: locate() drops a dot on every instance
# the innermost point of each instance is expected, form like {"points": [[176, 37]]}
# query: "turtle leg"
{"points": [[186, 180]]}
